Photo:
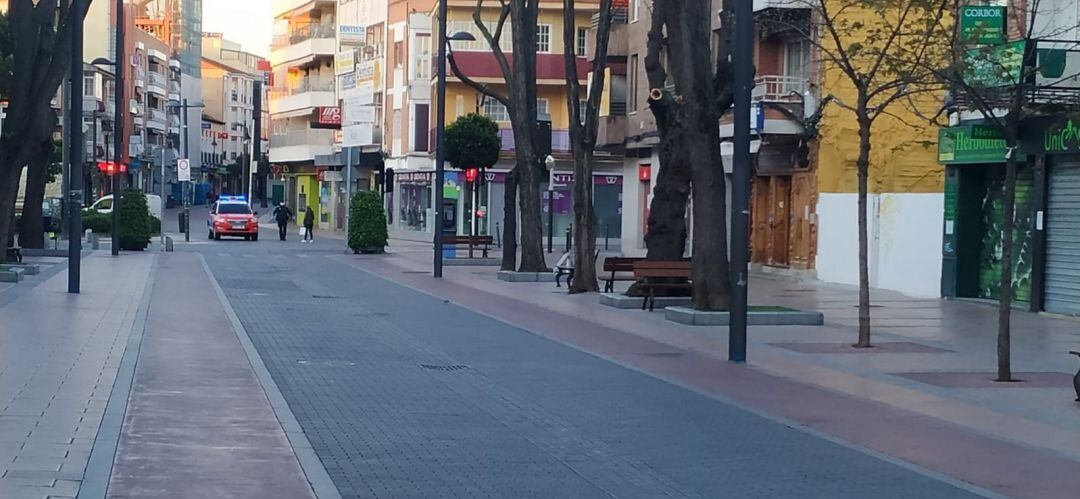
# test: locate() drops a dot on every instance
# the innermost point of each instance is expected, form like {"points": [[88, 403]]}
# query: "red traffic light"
{"points": [[471, 174], [110, 167]]}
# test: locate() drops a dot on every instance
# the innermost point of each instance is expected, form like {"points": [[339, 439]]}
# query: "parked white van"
{"points": [[105, 205]]}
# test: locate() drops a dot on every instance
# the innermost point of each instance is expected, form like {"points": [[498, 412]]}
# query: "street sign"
{"points": [[183, 170], [357, 135]]}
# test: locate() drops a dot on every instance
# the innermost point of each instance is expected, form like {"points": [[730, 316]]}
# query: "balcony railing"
{"points": [[305, 85], [299, 33], [156, 115], [158, 79], [302, 138], [777, 88]]}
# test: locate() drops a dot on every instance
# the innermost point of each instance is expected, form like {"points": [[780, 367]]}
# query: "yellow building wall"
{"points": [[903, 153], [556, 96]]}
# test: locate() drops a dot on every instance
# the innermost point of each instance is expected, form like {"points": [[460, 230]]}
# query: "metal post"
{"points": [[256, 139], [75, 137], [348, 188], [551, 215], [183, 186], [440, 130], [65, 185], [162, 200], [118, 125], [740, 192]]}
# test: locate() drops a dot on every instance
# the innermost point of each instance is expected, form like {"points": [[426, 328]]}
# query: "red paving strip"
{"points": [[982, 379], [935, 445], [845, 347]]}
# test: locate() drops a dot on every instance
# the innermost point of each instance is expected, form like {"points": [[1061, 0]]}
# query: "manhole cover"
{"points": [[450, 367]]}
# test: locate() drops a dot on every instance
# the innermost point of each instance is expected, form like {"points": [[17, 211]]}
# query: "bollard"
{"points": [[569, 237], [498, 236], [168, 244], [93, 240], [607, 230]]}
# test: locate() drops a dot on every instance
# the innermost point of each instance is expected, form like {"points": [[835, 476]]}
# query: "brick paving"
{"points": [[405, 395], [59, 356]]}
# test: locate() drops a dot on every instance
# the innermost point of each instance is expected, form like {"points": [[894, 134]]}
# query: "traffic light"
{"points": [[472, 174]]}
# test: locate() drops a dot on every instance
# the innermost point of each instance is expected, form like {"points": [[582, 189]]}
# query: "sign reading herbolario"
{"points": [[970, 144]]}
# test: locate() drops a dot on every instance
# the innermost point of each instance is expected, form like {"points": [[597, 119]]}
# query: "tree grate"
{"points": [[449, 367]]}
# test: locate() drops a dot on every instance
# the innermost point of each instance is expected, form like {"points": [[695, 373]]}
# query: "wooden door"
{"points": [[779, 220]]}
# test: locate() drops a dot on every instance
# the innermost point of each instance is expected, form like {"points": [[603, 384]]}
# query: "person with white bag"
{"points": [[307, 232]]}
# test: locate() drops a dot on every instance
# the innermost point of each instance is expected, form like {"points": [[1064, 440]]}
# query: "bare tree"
{"points": [[881, 48], [519, 74], [41, 53], [1004, 84], [687, 117], [583, 140]]}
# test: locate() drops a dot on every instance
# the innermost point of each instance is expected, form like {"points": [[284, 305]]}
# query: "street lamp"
{"points": [[743, 55], [75, 149], [118, 131], [440, 131]]}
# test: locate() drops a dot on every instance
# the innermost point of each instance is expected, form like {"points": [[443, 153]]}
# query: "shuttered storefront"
{"points": [[1062, 288]]}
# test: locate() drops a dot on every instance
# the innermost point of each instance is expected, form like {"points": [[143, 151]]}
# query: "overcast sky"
{"points": [[247, 22]]}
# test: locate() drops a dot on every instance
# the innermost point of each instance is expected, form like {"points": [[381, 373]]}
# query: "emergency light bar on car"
{"points": [[239, 199]]}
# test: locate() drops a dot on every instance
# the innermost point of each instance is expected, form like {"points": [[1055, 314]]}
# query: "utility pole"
{"points": [[118, 126], [740, 192], [183, 186], [256, 141], [75, 146]]}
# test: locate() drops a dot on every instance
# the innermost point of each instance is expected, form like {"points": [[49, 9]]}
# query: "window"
{"points": [[399, 54], [88, 86], [632, 75], [234, 95], [634, 10], [233, 209], [581, 37], [796, 66], [542, 107], [496, 111], [422, 57], [543, 38]]}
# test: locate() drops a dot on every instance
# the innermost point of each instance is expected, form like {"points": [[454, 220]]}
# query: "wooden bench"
{"points": [[618, 268], [481, 242], [661, 275]]}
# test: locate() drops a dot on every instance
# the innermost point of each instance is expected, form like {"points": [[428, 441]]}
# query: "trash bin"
{"points": [[182, 221]]}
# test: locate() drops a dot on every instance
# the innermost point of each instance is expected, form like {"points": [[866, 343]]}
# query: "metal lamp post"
{"points": [[118, 125], [440, 132], [183, 107], [740, 224], [75, 146]]}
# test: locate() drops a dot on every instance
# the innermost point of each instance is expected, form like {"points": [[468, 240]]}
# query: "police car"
{"points": [[231, 216]]}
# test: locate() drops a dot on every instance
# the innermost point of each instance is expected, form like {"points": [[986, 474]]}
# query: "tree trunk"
{"points": [[32, 228], [1004, 362], [863, 167], [510, 246], [584, 228], [9, 190], [523, 16]]}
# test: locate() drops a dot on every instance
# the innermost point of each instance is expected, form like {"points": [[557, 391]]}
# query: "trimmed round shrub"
{"points": [[135, 225], [367, 223]]}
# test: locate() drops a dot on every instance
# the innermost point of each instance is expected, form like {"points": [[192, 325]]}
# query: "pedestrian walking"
{"points": [[309, 225], [282, 214]]}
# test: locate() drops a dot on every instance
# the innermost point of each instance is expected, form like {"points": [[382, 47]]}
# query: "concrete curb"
{"points": [[513, 276], [95, 483], [691, 317], [26, 268], [621, 301], [321, 484], [12, 275]]}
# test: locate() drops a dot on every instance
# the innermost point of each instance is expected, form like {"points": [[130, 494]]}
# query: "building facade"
{"points": [[303, 88]]}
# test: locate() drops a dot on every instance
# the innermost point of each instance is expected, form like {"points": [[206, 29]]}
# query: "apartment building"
{"points": [[229, 75], [303, 86], [99, 118], [413, 192]]}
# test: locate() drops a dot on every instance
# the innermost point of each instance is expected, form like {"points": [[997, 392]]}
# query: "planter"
{"points": [[370, 250]]}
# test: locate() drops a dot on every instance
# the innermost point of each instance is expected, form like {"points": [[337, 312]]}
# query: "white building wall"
{"points": [[905, 238]]}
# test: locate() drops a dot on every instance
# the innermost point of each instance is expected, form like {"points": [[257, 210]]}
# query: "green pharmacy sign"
{"points": [[1062, 138], [981, 24], [970, 144]]}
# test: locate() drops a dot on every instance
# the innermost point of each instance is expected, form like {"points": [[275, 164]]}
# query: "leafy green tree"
{"points": [[472, 141], [367, 223]]}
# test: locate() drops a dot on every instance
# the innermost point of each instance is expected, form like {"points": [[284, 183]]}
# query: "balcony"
{"points": [[302, 43], [777, 88], [611, 130], [156, 119], [300, 145], [174, 91], [760, 5], [310, 93], [281, 8], [157, 85]]}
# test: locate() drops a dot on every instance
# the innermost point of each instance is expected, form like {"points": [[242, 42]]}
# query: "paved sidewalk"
{"points": [[198, 423], [59, 356], [991, 425]]}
